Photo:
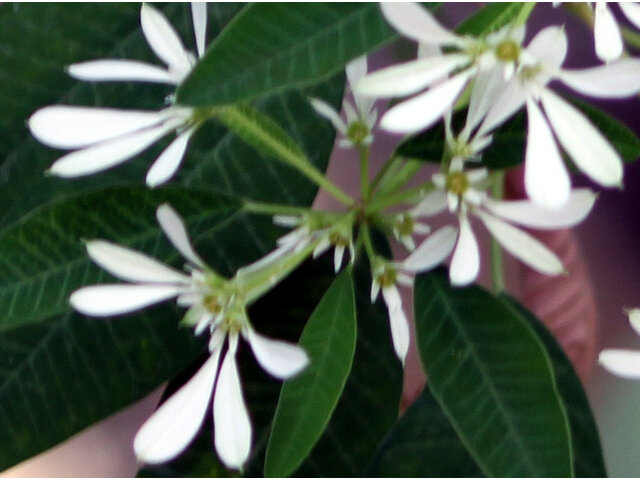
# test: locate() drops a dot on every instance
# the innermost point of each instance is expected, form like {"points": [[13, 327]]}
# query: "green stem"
{"points": [[407, 196], [260, 131], [368, 244], [273, 209], [523, 16], [381, 173], [364, 171], [497, 267]]}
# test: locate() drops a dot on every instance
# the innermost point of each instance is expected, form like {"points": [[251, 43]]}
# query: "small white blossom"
{"points": [[216, 305], [546, 178], [386, 277], [462, 193], [624, 362], [360, 121], [606, 30], [102, 138], [404, 226], [313, 229], [490, 61]]}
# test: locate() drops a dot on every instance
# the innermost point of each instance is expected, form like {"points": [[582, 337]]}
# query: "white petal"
{"points": [[230, 417], [356, 69], [616, 80], [425, 109], [586, 146], [506, 104], [549, 46], [433, 251], [624, 363], [325, 110], [322, 246], [338, 253], [522, 245], [631, 10], [121, 70], [529, 214], [415, 22], [173, 227], [131, 265], [62, 126], [172, 427], [607, 34], [107, 154], [279, 358], [106, 300], [410, 77], [545, 177], [375, 290], [400, 334], [634, 319], [199, 16], [432, 204], [487, 88], [164, 40], [465, 264], [286, 220], [169, 160]]}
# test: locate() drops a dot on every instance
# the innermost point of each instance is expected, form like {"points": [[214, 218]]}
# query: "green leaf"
{"points": [[491, 375], [587, 450], [59, 371], [493, 17], [289, 45], [307, 402], [423, 444]]}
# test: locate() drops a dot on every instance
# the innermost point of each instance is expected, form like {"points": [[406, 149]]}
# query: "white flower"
{"points": [[490, 61], [623, 362], [607, 34], [546, 179], [385, 278], [358, 128], [315, 229], [462, 192], [214, 304], [104, 137], [404, 226], [165, 43]]}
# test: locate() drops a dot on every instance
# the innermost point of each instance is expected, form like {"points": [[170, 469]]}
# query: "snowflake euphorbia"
{"points": [[105, 137], [216, 305]]}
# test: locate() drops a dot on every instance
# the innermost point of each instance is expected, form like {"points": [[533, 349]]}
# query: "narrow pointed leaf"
{"points": [[307, 401], [491, 375]]}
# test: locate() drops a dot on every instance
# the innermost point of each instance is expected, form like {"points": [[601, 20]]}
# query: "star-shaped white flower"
{"points": [[165, 43], [462, 193], [624, 362], [386, 277], [546, 178], [102, 138], [490, 61], [360, 121], [606, 30], [214, 305]]}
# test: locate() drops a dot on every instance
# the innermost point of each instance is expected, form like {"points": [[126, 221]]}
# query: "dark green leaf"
{"points": [[493, 17], [492, 377], [307, 402], [271, 47], [587, 451], [423, 444]]}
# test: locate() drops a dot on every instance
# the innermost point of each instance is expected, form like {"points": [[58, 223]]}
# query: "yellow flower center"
{"points": [[457, 183], [357, 132], [405, 225], [508, 51]]}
